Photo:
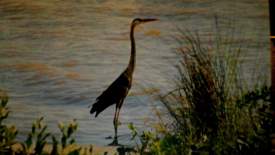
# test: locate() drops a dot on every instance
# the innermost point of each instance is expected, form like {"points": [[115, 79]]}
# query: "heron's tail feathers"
{"points": [[93, 109], [98, 107]]}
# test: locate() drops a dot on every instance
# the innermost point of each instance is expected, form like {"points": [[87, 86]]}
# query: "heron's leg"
{"points": [[115, 123], [115, 142], [118, 115]]}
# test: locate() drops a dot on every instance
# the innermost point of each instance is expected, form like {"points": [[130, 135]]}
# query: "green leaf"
{"points": [[64, 141], [61, 126], [133, 130], [29, 140], [4, 99], [72, 141]]}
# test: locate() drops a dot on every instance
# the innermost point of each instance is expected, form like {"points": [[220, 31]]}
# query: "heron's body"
{"points": [[118, 90], [114, 94]]}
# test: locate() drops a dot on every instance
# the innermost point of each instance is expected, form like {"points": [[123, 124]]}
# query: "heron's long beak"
{"points": [[149, 20]]}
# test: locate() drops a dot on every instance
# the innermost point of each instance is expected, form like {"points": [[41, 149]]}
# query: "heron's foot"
{"points": [[114, 143]]}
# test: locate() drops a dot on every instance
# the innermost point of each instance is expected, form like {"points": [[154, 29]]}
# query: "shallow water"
{"points": [[57, 56]]}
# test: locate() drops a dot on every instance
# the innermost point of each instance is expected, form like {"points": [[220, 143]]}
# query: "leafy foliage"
{"points": [[7, 133], [37, 141], [67, 142]]}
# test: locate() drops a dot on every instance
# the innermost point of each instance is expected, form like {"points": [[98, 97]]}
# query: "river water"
{"points": [[57, 56]]}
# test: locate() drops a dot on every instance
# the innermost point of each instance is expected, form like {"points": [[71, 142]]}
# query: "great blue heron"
{"points": [[118, 90]]}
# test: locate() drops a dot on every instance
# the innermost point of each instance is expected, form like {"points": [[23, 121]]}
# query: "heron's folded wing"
{"points": [[116, 92]]}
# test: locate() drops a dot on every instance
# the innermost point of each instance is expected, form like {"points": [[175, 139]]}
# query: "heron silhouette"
{"points": [[118, 90]]}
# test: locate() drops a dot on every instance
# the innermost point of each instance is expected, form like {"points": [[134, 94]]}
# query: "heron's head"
{"points": [[138, 21]]}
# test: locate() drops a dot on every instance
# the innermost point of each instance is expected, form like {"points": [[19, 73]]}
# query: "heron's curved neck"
{"points": [[132, 62]]}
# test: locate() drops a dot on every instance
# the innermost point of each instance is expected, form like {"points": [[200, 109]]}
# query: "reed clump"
{"points": [[212, 110]]}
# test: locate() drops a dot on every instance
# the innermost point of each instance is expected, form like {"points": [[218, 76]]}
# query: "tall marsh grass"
{"points": [[212, 110]]}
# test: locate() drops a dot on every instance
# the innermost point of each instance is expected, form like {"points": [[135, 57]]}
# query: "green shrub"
{"points": [[67, 141], [37, 141], [37, 138], [7, 133]]}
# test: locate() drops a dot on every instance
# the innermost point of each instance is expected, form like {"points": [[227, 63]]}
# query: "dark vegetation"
{"points": [[37, 141], [213, 110]]}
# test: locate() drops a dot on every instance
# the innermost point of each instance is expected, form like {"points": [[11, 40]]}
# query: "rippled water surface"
{"points": [[57, 56]]}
